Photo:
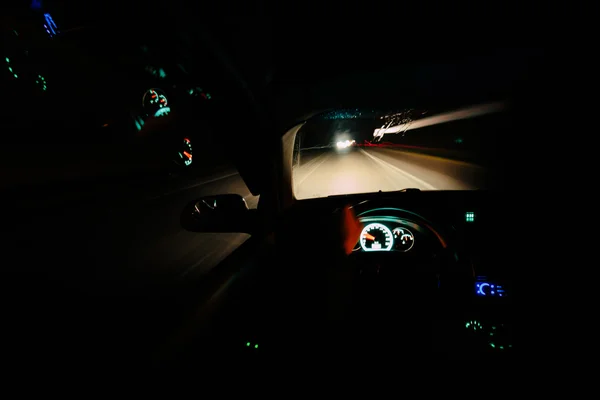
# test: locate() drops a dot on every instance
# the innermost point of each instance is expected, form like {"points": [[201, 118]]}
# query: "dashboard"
{"points": [[121, 87], [425, 281], [396, 256], [395, 305]]}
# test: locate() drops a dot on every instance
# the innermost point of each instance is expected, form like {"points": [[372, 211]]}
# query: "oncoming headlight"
{"points": [[345, 144]]}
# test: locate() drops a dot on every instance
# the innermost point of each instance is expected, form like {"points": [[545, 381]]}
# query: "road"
{"points": [[370, 169]]}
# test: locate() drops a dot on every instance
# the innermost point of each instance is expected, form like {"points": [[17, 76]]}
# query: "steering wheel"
{"points": [[326, 301], [412, 289]]}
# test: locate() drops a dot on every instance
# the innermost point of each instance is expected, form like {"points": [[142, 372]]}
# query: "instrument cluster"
{"points": [[387, 234], [172, 107]]}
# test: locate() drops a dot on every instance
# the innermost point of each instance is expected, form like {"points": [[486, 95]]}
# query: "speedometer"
{"points": [[376, 237]]}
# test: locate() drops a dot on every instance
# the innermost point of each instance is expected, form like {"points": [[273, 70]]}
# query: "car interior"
{"points": [[425, 280], [410, 274]]}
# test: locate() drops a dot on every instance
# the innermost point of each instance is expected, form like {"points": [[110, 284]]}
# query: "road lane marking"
{"points": [[311, 162], [312, 170], [385, 164], [387, 177]]}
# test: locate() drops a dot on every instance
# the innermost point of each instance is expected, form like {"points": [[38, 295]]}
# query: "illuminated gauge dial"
{"points": [[154, 101], [184, 156], [403, 239], [376, 237]]}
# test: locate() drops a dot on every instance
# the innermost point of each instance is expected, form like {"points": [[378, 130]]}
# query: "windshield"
{"points": [[360, 151]]}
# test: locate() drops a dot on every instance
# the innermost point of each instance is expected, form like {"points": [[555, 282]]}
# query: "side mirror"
{"points": [[219, 213]]}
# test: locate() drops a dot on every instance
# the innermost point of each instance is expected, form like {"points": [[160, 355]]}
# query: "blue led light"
{"points": [[486, 288], [50, 25], [481, 287]]}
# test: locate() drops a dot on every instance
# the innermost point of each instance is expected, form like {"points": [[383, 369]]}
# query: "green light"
{"points": [[10, 68], [493, 345], [474, 324], [41, 81], [247, 344], [256, 346], [470, 216]]}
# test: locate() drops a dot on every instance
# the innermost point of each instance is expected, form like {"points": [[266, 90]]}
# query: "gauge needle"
{"points": [[188, 155], [368, 236]]}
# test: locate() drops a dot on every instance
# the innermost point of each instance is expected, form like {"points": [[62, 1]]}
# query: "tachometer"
{"points": [[376, 237]]}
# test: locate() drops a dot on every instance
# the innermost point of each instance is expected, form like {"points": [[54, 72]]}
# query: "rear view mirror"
{"points": [[219, 213]]}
